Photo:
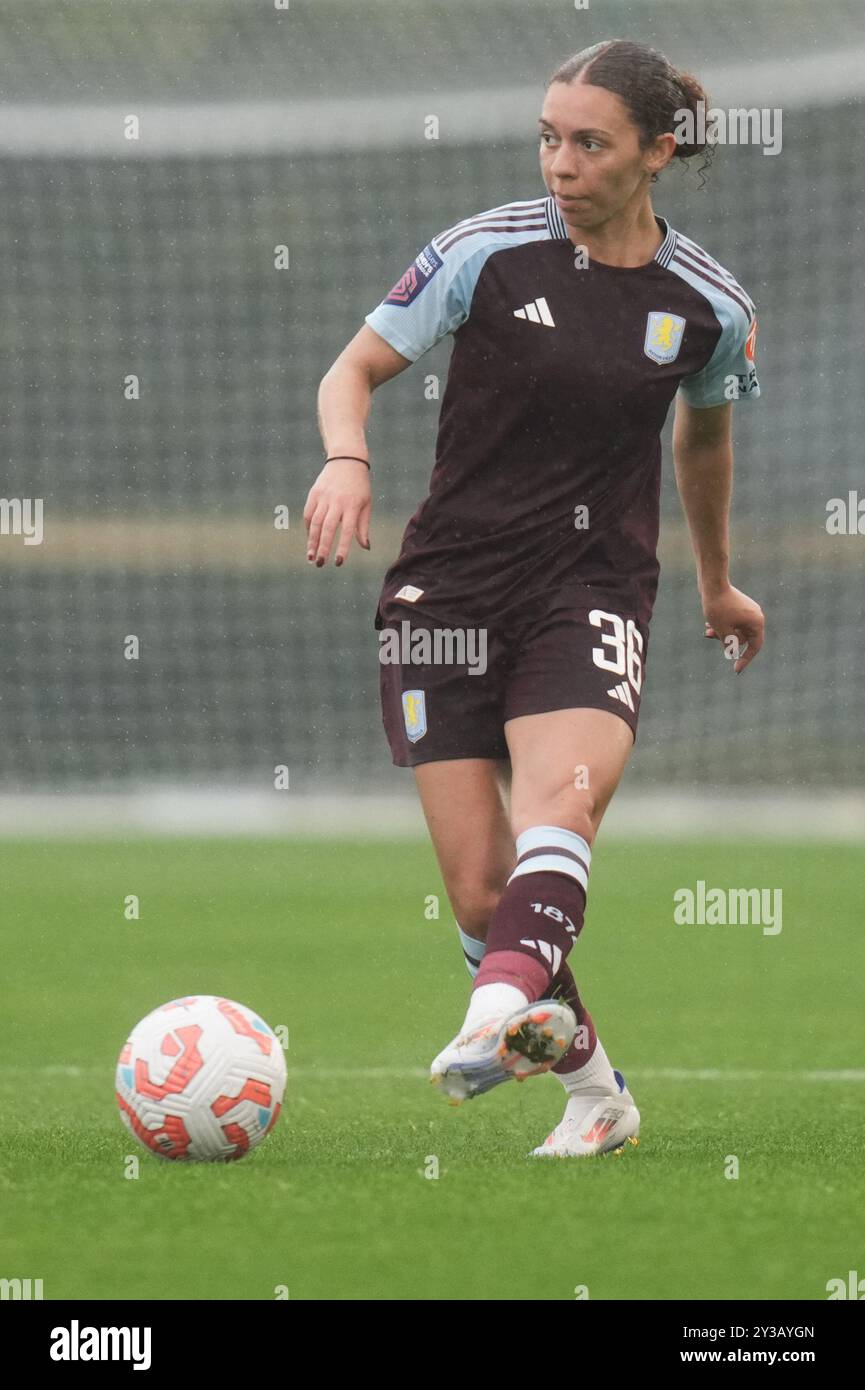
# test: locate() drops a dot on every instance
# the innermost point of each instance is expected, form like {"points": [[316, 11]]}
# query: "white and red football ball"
{"points": [[201, 1079]]}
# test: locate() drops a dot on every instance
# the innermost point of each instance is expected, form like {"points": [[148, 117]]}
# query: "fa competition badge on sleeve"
{"points": [[418, 275], [663, 336], [414, 714]]}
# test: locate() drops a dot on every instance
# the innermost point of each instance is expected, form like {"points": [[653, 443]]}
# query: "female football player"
{"points": [[526, 580]]}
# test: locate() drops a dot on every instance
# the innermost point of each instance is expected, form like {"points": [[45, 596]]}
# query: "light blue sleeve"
{"points": [[731, 372], [430, 300]]}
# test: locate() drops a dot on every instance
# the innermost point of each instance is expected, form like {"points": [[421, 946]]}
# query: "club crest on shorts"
{"points": [[663, 336], [414, 714]]}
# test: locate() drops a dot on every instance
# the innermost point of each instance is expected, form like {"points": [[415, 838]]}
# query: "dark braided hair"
{"points": [[653, 91]]}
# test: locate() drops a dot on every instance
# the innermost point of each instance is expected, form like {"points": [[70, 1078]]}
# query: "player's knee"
{"points": [[579, 814]]}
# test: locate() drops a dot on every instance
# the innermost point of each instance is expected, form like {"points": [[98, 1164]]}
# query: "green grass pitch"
{"points": [[333, 941]]}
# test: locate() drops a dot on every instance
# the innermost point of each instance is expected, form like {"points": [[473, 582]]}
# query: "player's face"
{"points": [[591, 158]]}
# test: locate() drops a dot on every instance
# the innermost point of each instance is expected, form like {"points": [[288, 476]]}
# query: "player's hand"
{"points": [[340, 497], [731, 613]]}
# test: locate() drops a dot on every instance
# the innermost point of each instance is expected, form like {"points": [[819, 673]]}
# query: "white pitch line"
{"points": [[410, 1073], [641, 1074], [743, 1074]]}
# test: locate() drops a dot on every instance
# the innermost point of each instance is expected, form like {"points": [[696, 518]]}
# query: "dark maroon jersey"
{"points": [[548, 457]]}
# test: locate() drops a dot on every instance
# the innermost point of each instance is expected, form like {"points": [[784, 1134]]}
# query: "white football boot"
{"points": [[594, 1123], [515, 1045]]}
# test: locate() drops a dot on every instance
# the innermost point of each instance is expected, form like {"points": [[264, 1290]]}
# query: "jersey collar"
{"points": [[558, 230]]}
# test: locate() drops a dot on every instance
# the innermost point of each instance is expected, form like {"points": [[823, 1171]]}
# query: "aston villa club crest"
{"points": [[663, 336], [414, 714]]}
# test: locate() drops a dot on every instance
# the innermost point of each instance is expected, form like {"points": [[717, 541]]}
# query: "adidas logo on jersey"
{"points": [[538, 311], [550, 953], [621, 692]]}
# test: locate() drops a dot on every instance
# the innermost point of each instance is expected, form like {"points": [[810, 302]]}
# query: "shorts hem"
{"points": [[452, 758], [622, 712]]}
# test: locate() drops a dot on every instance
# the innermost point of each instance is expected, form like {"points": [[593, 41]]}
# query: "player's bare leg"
{"points": [[464, 801], [566, 767]]}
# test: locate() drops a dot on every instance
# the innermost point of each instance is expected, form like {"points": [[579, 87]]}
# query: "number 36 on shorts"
{"points": [[622, 649]]}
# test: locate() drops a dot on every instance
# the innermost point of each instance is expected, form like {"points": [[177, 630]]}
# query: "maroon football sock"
{"points": [[536, 921], [564, 987]]}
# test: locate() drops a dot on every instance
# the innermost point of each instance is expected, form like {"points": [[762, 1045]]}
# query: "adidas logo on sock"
{"points": [[546, 949], [538, 311], [621, 692]]}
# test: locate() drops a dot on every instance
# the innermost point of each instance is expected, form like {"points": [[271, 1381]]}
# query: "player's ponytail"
{"points": [[693, 100], [660, 99]]}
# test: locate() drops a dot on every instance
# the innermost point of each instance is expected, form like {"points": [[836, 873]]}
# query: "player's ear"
{"points": [[658, 154]]}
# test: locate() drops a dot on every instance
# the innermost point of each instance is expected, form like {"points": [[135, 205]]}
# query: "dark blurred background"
{"points": [[305, 128]]}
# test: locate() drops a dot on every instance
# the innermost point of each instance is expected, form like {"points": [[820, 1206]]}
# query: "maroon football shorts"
{"points": [[447, 690]]}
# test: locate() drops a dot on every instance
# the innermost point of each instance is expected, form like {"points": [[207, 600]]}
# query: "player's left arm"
{"points": [[703, 458]]}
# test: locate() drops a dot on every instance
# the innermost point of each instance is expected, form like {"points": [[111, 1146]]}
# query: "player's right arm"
{"points": [[430, 300], [341, 496]]}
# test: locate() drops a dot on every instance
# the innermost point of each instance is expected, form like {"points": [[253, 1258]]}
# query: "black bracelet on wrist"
{"points": [[349, 456]]}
